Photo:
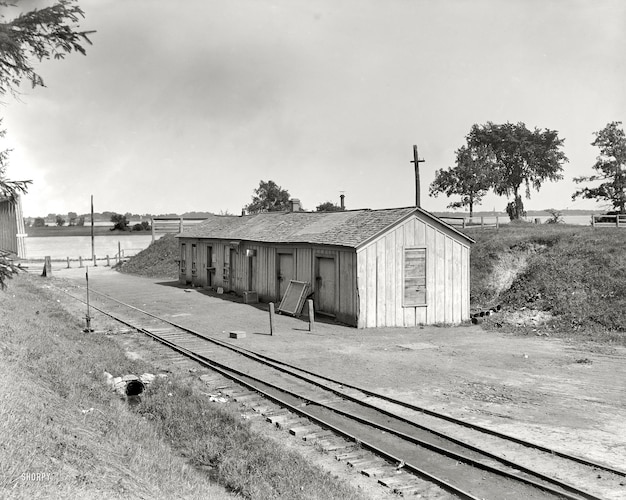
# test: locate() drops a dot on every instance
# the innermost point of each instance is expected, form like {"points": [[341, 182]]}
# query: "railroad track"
{"points": [[399, 444]]}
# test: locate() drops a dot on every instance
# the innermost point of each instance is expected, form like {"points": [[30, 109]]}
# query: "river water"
{"points": [[61, 247]]}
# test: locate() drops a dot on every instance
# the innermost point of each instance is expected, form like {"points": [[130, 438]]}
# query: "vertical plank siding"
{"points": [[390, 279], [370, 284], [438, 254], [380, 266]]}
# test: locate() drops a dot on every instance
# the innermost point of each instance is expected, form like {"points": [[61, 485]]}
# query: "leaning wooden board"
{"points": [[294, 297]]}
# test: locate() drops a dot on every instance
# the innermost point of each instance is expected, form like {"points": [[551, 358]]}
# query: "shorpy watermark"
{"points": [[35, 477]]}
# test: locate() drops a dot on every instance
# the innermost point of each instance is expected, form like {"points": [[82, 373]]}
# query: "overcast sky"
{"points": [[182, 106]]}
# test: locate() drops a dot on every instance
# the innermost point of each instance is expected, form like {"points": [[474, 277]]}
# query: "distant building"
{"points": [[367, 268], [12, 232]]}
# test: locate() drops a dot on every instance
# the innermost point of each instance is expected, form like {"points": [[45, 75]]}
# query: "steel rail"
{"points": [[232, 375], [220, 367], [443, 416]]}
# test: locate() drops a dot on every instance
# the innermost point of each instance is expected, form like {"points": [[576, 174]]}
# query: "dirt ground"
{"points": [[557, 392]]}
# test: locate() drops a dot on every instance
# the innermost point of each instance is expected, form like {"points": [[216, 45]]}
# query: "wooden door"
{"points": [[285, 272], [232, 278], [325, 285], [210, 269], [183, 263], [194, 264]]}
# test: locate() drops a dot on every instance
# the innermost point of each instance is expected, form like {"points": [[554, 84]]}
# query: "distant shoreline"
{"points": [[529, 213], [42, 232]]}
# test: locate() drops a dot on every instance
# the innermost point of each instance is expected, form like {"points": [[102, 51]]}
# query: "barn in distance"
{"points": [[397, 267]]}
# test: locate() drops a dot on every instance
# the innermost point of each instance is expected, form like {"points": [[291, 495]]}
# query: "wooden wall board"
{"points": [[294, 298]]}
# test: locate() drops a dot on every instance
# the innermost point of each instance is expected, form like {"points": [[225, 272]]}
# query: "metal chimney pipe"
{"points": [[342, 204]]}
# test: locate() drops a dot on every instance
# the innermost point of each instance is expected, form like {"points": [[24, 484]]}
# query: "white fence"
{"points": [[473, 222], [173, 225], [618, 220]]}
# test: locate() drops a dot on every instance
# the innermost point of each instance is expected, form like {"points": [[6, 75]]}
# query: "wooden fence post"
{"points": [[80, 261], [108, 261], [311, 315], [271, 318], [95, 264], [68, 262], [47, 267]]}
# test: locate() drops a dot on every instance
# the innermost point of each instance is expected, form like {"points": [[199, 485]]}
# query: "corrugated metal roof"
{"points": [[350, 228]]}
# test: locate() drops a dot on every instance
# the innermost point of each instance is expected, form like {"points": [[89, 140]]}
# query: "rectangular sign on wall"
{"points": [[414, 277]]}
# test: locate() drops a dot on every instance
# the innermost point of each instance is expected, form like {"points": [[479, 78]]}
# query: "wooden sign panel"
{"points": [[414, 276], [294, 298]]}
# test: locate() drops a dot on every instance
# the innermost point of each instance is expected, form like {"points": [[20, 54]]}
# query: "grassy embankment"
{"points": [[576, 273], [159, 260], [66, 435]]}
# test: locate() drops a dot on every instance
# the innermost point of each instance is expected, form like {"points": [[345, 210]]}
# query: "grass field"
{"points": [[66, 435]]}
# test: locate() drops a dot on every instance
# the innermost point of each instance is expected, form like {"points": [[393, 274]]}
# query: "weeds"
{"points": [[248, 464], [58, 418], [576, 273]]}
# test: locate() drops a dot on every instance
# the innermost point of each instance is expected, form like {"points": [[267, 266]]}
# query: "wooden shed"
{"points": [[12, 231], [367, 268]]}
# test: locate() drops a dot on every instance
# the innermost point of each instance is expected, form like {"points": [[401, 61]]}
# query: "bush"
{"points": [[120, 223], [142, 226]]}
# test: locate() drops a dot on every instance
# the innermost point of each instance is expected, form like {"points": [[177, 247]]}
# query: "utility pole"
{"points": [[417, 161], [93, 250]]}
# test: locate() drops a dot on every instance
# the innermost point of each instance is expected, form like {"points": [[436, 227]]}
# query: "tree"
{"points": [[39, 222], [470, 179], [120, 222], [268, 197], [81, 221], [519, 157], [611, 167], [71, 218], [60, 221], [556, 216], [329, 206], [39, 34]]}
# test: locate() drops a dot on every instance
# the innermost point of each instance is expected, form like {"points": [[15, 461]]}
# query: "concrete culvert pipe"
{"points": [[134, 387]]}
